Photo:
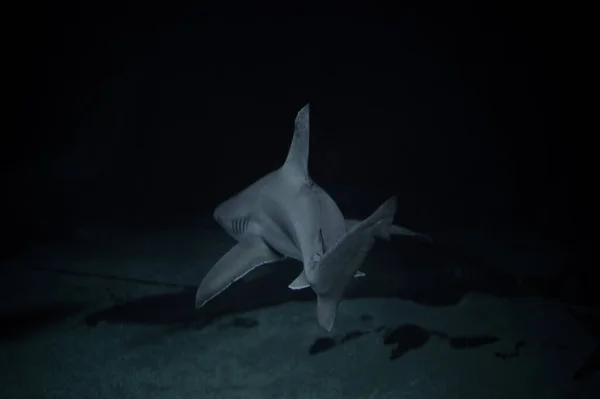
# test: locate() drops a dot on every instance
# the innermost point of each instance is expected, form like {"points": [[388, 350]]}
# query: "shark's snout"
{"points": [[216, 214]]}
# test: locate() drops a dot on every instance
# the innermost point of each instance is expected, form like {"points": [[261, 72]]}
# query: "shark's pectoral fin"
{"points": [[246, 255], [259, 272], [301, 282], [326, 311]]}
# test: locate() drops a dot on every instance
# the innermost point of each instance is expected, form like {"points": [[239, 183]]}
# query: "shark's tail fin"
{"points": [[384, 216], [393, 230], [383, 219], [403, 231], [338, 265]]}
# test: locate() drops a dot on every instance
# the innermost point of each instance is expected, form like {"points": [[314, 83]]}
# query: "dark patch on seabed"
{"points": [[18, 324], [177, 308], [321, 345], [590, 318], [169, 308], [240, 322], [410, 336], [403, 338], [510, 355], [352, 335]]}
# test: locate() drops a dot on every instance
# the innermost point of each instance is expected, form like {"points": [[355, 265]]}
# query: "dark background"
{"points": [[149, 115]]}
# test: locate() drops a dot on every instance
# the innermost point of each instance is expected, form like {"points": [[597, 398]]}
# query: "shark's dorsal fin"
{"points": [[296, 163]]}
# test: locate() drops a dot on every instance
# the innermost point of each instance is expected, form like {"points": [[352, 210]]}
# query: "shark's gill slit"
{"points": [[238, 226]]}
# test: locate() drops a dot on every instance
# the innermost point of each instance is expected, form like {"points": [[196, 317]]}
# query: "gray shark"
{"points": [[285, 214]]}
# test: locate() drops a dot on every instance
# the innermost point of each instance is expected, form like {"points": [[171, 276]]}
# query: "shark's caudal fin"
{"points": [[296, 163], [337, 266], [395, 231], [403, 231]]}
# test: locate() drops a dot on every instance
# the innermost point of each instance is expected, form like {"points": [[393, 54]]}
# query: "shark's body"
{"points": [[285, 214]]}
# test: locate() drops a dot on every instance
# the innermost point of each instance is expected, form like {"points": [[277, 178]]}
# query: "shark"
{"points": [[285, 214]]}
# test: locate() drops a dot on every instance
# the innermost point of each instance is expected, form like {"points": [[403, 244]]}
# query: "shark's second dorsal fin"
{"points": [[296, 163]]}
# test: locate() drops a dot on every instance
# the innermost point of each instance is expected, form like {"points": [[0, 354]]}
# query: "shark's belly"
{"points": [[285, 247], [278, 238]]}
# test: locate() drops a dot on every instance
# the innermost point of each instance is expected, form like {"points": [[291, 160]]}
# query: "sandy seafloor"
{"points": [[84, 319]]}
